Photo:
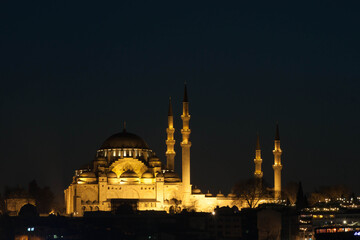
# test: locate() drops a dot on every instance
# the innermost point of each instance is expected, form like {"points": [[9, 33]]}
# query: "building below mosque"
{"points": [[126, 171]]}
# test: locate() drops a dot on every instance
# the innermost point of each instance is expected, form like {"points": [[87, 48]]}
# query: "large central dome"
{"points": [[124, 140]]}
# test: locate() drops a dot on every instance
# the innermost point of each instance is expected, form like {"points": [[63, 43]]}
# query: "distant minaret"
{"points": [[258, 173], [277, 165], [170, 142], [185, 145]]}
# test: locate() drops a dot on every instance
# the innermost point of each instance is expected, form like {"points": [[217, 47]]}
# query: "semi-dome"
{"points": [[124, 140], [88, 175], [129, 174], [111, 174]]}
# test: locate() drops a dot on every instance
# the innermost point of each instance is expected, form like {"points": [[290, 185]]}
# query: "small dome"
{"points": [[147, 174], [88, 175], [208, 194], [232, 195], [196, 190], [220, 194], [129, 174], [159, 174], [124, 140], [111, 175], [171, 177]]}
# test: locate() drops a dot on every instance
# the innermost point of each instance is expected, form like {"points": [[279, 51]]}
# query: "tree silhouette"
{"points": [[252, 191], [300, 198], [290, 192], [44, 197], [332, 193]]}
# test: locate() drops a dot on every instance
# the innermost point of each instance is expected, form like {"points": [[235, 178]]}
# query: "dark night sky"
{"points": [[72, 71]]}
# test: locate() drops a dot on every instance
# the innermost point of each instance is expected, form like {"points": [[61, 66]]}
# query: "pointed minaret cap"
{"points": [[185, 94], [257, 142], [124, 130], [277, 135], [170, 113]]}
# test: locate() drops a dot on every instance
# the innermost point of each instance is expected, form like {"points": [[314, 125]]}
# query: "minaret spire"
{"points": [[277, 164], [185, 94], [170, 142], [257, 141], [170, 112], [277, 135], [185, 145], [258, 173]]}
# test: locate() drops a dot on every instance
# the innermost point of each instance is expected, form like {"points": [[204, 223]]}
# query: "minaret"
{"points": [[185, 145], [277, 165], [170, 142], [258, 173]]}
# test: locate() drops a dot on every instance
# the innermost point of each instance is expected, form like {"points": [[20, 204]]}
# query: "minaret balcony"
{"points": [[277, 166]]}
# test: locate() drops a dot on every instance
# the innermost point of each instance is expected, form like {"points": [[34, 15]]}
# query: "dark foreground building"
{"points": [[266, 222], [335, 233]]}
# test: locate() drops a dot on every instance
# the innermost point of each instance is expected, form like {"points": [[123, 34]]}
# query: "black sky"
{"points": [[72, 71]]}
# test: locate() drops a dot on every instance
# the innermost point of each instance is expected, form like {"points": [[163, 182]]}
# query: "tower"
{"points": [[277, 165], [170, 142], [185, 145], [258, 173]]}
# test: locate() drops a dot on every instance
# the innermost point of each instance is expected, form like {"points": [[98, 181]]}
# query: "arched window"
{"points": [[172, 210]]}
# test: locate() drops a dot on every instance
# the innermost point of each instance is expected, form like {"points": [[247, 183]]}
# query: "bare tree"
{"points": [[332, 193], [290, 191], [252, 191], [316, 197]]}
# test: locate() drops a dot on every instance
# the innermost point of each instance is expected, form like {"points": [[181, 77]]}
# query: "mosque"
{"points": [[126, 171]]}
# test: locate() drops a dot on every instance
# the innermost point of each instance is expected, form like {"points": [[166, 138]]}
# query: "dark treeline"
{"points": [[43, 197]]}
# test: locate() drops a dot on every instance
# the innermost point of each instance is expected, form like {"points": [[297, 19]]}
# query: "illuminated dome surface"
{"points": [[147, 175], [129, 174], [88, 175], [111, 175], [124, 140]]}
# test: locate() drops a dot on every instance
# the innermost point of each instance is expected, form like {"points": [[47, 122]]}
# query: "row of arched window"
{"points": [[90, 208]]}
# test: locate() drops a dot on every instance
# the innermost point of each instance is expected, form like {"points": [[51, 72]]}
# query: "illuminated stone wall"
{"points": [[13, 205]]}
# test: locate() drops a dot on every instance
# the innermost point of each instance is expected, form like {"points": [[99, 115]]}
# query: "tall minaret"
{"points": [[277, 165], [258, 173], [185, 145], [170, 142]]}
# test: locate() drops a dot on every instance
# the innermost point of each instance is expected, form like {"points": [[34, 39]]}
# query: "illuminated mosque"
{"points": [[126, 171]]}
